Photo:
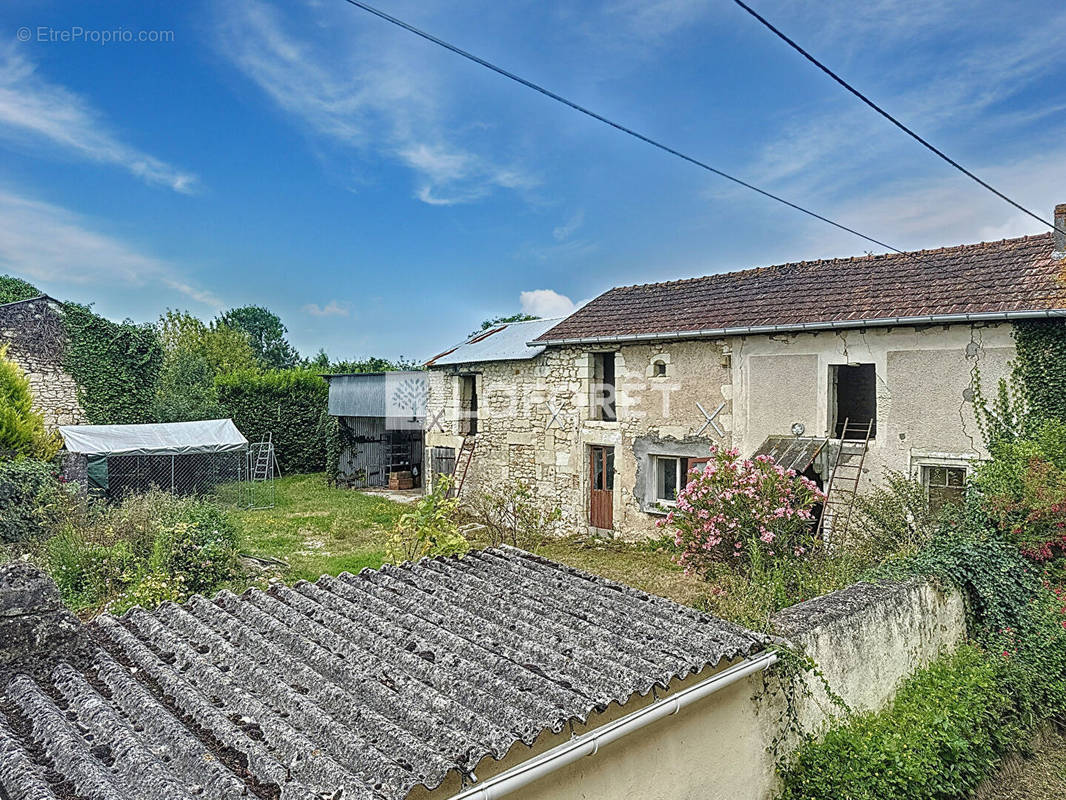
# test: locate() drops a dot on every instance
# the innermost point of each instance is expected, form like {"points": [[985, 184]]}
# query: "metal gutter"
{"points": [[749, 330], [589, 744]]}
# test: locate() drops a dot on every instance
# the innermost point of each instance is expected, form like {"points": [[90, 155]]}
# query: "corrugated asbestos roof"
{"points": [[792, 452], [1013, 275], [352, 687], [504, 342]]}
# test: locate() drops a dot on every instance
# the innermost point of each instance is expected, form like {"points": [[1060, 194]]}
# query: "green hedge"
{"points": [[943, 734], [288, 404], [29, 496]]}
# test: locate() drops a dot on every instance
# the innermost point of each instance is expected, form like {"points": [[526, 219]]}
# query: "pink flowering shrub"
{"points": [[747, 512]]}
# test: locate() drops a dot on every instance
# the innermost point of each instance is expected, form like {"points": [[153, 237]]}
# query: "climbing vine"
{"points": [[116, 366], [1040, 367], [14, 289]]}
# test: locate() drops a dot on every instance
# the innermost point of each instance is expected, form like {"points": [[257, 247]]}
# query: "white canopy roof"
{"points": [[157, 439]]}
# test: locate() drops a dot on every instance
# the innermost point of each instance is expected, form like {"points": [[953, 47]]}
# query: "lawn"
{"points": [[317, 529]]}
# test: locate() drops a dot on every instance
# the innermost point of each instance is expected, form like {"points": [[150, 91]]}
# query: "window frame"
{"points": [[657, 461]]}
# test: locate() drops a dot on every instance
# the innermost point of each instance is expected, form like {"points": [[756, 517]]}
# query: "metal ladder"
{"points": [[843, 485], [263, 468], [468, 445]]}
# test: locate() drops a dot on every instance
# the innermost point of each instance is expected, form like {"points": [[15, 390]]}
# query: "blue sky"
{"points": [[384, 196]]}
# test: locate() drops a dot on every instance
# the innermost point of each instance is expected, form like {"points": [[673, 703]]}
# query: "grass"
{"points": [[318, 529]]}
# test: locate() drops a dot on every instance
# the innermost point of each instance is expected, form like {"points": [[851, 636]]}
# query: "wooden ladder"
{"points": [[843, 485], [463, 467]]}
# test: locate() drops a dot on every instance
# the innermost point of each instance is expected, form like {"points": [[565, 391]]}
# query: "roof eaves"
{"points": [[750, 330]]}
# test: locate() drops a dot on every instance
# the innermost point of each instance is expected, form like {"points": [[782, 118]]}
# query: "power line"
{"points": [[618, 126], [889, 117]]}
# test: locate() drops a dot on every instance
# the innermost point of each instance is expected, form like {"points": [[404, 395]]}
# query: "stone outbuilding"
{"points": [[604, 413], [35, 337]]}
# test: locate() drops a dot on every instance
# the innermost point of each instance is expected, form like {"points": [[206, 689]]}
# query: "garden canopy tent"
{"points": [[156, 439]]}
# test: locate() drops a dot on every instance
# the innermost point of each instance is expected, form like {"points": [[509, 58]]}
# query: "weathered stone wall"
{"points": [[34, 333], [536, 422]]}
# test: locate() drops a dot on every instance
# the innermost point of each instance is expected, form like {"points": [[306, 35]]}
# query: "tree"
{"points": [[194, 354], [186, 390], [22, 431], [224, 348], [14, 289], [489, 323], [266, 334]]}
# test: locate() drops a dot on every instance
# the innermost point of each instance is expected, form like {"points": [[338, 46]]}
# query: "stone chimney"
{"points": [[36, 629], [1060, 231]]}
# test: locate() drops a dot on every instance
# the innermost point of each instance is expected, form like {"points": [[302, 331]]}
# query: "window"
{"points": [[603, 407], [852, 400], [468, 405], [658, 369], [672, 474], [667, 479], [944, 486]]}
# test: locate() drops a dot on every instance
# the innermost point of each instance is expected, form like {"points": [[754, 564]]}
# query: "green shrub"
{"points": [[943, 733], [22, 431], [430, 528], [290, 405], [30, 500], [895, 516], [509, 514], [144, 550]]}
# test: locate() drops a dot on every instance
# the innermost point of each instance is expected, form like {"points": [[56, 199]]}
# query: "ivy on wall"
{"points": [[289, 405], [1040, 366], [116, 366], [14, 289]]}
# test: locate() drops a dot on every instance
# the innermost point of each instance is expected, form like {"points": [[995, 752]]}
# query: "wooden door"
{"points": [[601, 487]]}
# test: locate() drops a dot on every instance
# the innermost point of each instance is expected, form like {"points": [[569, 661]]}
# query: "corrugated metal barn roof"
{"points": [[375, 683], [377, 394], [504, 342]]}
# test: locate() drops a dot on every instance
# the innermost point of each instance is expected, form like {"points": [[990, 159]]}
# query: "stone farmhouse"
{"points": [[33, 332], [604, 413]]}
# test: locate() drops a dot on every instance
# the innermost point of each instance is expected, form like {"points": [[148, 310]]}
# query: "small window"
{"points": [[603, 391], [944, 486], [852, 400], [668, 476], [468, 405], [658, 369]]}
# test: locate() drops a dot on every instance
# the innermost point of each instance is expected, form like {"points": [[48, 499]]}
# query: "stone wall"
{"points": [[33, 331], [536, 423]]}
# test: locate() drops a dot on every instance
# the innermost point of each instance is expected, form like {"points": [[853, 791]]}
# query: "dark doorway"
{"points": [[853, 399]]}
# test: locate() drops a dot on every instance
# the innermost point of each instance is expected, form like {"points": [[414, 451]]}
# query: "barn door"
{"points": [[601, 487]]}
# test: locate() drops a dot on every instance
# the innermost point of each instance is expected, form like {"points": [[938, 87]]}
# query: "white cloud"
{"points": [[330, 309], [546, 303], [36, 111], [362, 95], [48, 243]]}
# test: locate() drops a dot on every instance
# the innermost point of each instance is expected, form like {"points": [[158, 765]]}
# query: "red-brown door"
{"points": [[601, 487]]}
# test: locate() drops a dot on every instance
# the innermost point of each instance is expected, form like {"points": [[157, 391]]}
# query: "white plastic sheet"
{"points": [[163, 438]]}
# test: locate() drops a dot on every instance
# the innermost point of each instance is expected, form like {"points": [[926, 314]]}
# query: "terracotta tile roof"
{"points": [[359, 686], [985, 278]]}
